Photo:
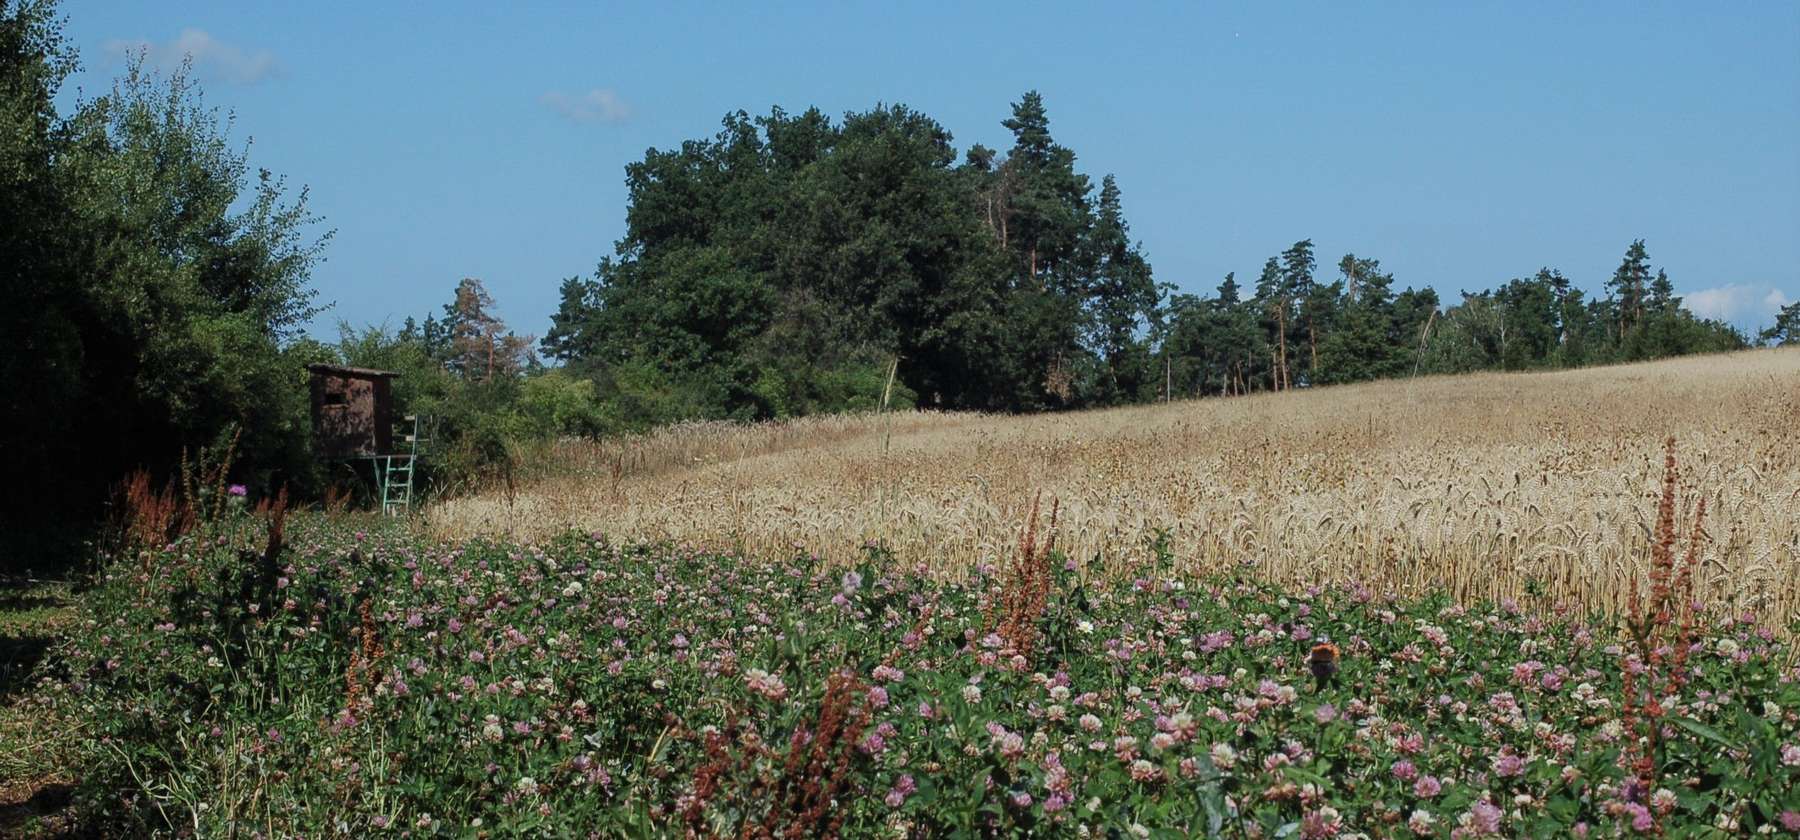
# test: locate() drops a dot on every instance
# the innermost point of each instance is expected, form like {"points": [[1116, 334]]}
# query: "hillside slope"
{"points": [[1489, 485]]}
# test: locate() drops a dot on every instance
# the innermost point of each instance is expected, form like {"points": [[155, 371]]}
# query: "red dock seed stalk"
{"points": [[1662, 630], [1026, 587], [364, 661], [817, 770], [709, 777], [147, 518], [795, 792]]}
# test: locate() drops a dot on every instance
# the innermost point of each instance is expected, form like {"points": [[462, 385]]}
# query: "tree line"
{"points": [[159, 291], [782, 265]]}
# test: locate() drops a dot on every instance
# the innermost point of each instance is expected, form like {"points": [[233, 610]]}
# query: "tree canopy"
{"points": [[781, 265]]}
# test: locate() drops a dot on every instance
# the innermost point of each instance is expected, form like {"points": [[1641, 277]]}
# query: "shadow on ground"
{"points": [[31, 617], [47, 813], [36, 801]]}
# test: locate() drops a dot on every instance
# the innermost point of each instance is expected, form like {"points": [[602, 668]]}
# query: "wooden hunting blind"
{"points": [[353, 420], [352, 411]]}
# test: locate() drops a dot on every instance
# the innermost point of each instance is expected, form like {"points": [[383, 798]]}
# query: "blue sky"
{"points": [[1462, 144]]}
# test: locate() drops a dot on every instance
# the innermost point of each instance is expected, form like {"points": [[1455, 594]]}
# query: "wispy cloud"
{"points": [[213, 58], [1737, 303], [597, 105]]}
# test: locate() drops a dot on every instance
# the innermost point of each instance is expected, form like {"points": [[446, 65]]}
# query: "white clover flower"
{"points": [[527, 786], [1086, 627], [1223, 756], [971, 694]]}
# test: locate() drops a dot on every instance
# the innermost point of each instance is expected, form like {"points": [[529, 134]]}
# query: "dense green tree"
{"points": [[1627, 288], [1274, 305], [1122, 300], [1311, 309], [1365, 344], [1304, 306], [1652, 322], [571, 334], [42, 366], [1786, 329], [1661, 297], [1415, 313], [788, 256], [1577, 331], [189, 301], [1045, 200], [1532, 315], [1213, 346], [1241, 348], [158, 283]]}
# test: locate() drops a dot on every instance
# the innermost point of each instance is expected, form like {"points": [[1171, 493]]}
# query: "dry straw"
{"points": [[1530, 486]]}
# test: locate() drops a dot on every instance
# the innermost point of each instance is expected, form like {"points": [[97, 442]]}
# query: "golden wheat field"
{"points": [[1480, 485]]}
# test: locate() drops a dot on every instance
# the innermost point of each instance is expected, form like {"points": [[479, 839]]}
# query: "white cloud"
{"points": [[212, 57], [597, 105], [1737, 303]]}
